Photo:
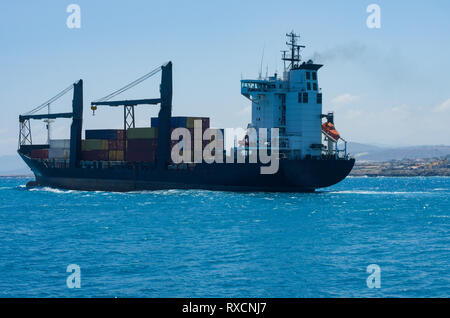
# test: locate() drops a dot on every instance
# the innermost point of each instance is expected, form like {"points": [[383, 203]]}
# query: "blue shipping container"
{"points": [[108, 134], [179, 121]]}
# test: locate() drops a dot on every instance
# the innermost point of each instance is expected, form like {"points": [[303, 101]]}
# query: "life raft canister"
{"points": [[329, 129]]}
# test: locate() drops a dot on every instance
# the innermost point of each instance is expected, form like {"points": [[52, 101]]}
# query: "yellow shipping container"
{"points": [[115, 155]]}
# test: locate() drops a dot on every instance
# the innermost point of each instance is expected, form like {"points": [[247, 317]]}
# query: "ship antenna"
{"points": [[262, 59], [284, 60], [294, 58]]}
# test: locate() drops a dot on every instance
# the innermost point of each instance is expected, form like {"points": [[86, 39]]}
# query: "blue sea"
{"points": [[179, 243]]}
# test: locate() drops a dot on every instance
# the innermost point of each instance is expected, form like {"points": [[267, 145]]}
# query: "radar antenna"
{"points": [[294, 58]]}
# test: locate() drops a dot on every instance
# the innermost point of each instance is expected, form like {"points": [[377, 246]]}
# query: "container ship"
{"points": [[310, 152]]}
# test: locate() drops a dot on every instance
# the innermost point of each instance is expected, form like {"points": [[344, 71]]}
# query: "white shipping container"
{"points": [[60, 143], [58, 153]]}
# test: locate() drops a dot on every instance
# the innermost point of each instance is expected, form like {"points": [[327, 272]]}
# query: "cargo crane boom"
{"points": [[164, 115], [75, 129]]}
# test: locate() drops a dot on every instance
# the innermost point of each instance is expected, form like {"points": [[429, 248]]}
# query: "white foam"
{"points": [[53, 190], [376, 192]]}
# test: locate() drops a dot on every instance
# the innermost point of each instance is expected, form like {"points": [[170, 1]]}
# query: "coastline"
{"points": [[404, 168]]}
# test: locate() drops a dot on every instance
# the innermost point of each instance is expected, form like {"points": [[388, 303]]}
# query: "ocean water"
{"points": [[222, 244]]}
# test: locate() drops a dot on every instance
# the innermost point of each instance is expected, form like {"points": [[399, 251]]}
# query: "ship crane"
{"points": [[24, 120], [165, 112], [128, 105], [25, 138]]}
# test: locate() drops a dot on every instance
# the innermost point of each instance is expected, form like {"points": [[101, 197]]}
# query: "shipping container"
{"points": [[26, 149], [142, 150], [176, 121], [106, 134], [121, 134], [116, 144], [134, 155], [94, 144], [59, 143], [142, 144], [39, 153], [115, 155], [191, 120], [198, 136], [58, 153], [142, 133], [95, 155]]}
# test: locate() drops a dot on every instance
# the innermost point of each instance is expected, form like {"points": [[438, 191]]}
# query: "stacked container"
{"points": [[142, 144], [103, 145], [59, 149], [183, 121], [39, 153], [187, 122]]}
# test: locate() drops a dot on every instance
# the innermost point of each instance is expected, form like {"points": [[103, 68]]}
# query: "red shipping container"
{"points": [[116, 144], [142, 144], [39, 153], [95, 155], [121, 134], [142, 150], [141, 156]]}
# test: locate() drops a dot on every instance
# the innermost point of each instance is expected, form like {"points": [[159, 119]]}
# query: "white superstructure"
{"points": [[292, 103]]}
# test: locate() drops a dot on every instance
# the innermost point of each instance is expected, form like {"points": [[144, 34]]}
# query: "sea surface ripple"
{"points": [[179, 243]]}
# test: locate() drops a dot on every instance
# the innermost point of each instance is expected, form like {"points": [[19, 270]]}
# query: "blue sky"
{"points": [[387, 86]]}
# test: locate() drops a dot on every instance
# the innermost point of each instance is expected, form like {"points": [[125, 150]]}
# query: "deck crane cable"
{"points": [[130, 85], [51, 100]]}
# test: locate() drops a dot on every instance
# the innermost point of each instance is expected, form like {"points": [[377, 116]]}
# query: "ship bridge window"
{"points": [[314, 76], [308, 75], [255, 86], [305, 98]]}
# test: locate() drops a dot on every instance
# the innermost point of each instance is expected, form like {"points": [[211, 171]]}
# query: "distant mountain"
{"points": [[357, 148], [363, 152], [13, 165]]}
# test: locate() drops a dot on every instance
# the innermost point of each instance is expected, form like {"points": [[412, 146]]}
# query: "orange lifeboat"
{"points": [[329, 130]]}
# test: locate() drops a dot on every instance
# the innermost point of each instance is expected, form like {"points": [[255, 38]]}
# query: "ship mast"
{"points": [[294, 58]]}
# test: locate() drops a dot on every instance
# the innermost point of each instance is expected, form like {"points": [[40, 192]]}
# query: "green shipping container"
{"points": [[190, 121], [142, 133], [94, 144]]}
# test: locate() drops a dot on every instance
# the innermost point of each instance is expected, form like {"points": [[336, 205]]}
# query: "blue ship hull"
{"points": [[293, 176]]}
